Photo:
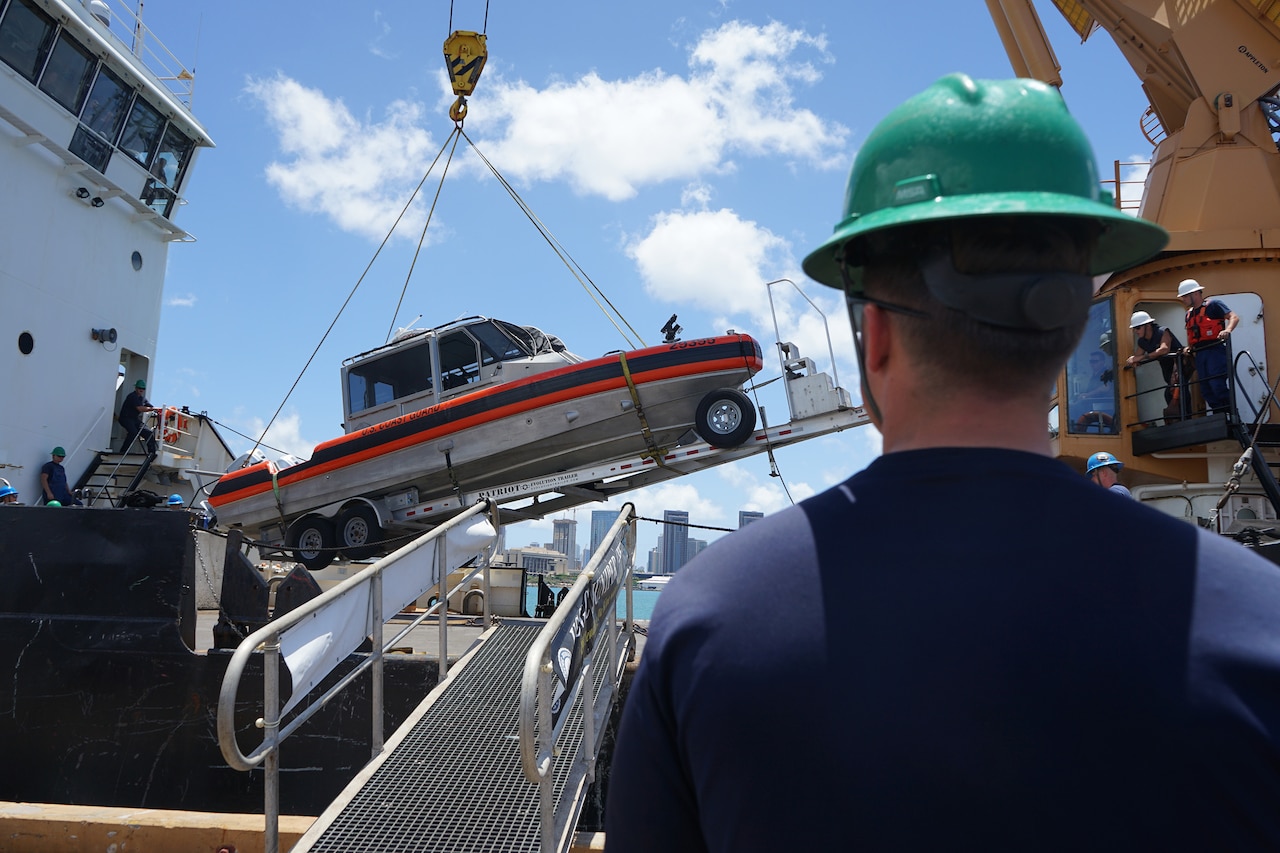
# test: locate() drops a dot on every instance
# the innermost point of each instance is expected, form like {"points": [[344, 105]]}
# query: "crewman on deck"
{"points": [[53, 481], [1209, 324], [1030, 664]]}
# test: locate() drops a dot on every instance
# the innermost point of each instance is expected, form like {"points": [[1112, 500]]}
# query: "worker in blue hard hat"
{"points": [[1104, 469], [175, 501], [980, 648], [8, 494]]}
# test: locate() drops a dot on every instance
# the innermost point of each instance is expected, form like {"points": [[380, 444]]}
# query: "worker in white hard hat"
{"points": [[1153, 342], [1209, 325]]}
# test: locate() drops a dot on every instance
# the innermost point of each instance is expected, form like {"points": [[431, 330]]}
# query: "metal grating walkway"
{"points": [[454, 783]]}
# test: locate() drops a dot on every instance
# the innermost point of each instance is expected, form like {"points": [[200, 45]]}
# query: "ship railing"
{"points": [[146, 46], [318, 636], [579, 656]]}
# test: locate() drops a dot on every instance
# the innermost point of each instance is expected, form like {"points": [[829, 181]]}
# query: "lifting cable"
{"points": [[347, 301], [558, 248]]}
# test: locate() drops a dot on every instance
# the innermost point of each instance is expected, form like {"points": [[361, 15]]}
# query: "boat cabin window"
{"points": [[1092, 390], [26, 34], [494, 345], [459, 360], [401, 373], [66, 77]]}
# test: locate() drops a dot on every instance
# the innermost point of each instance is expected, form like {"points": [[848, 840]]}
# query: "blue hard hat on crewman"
{"points": [[1101, 460], [176, 500]]}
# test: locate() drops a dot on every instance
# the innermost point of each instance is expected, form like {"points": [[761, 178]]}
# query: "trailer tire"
{"points": [[358, 533], [725, 418], [311, 539]]}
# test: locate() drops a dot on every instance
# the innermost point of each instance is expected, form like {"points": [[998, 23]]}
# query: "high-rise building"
{"points": [[601, 521], [746, 516], [564, 538], [675, 540], [694, 548]]}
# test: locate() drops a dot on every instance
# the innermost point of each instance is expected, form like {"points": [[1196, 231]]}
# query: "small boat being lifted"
{"points": [[475, 403]]}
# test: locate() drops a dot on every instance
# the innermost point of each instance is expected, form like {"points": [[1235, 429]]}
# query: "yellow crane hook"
{"points": [[465, 53]]}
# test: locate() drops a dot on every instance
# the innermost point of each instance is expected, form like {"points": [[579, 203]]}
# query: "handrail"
{"points": [[269, 639], [592, 605]]}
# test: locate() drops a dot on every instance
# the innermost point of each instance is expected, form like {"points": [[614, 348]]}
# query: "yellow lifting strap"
{"points": [[275, 490], [465, 53], [656, 453]]}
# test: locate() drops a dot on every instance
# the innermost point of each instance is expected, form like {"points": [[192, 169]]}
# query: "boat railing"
{"points": [[579, 656], [319, 635]]}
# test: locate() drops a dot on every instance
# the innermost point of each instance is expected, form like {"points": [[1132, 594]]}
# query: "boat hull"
{"points": [[551, 422]]}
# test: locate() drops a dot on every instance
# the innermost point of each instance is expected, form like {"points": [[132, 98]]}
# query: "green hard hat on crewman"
{"points": [[967, 148], [141, 383], [58, 451]]}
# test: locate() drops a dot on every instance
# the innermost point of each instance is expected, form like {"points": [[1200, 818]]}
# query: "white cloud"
{"points": [[611, 137], [603, 137], [719, 262], [358, 172], [285, 435], [187, 301]]}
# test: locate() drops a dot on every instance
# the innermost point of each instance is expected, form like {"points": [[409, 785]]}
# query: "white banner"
{"points": [[315, 646]]}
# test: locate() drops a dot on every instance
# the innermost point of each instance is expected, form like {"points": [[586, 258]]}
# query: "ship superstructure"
{"points": [[97, 144]]}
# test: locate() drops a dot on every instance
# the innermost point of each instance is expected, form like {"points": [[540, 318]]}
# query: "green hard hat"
{"points": [[58, 451], [141, 383], [965, 148]]}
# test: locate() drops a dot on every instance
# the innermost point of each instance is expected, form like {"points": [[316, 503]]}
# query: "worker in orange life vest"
{"points": [[1209, 324]]}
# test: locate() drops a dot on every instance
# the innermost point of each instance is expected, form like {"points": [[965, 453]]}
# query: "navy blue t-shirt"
{"points": [[957, 648]]}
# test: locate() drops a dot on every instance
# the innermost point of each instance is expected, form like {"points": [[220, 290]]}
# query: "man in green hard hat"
{"points": [[976, 647]]}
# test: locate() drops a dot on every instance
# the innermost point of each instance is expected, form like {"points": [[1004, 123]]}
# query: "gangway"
{"points": [[500, 754]]}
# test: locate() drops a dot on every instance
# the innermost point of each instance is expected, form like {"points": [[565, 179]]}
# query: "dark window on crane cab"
{"points": [[26, 35], [66, 76], [1092, 377]]}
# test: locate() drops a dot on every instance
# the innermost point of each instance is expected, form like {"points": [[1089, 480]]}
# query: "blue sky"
{"points": [[684, 153]]}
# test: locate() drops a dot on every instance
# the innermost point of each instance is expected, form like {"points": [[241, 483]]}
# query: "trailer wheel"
{"points": [[725, 418], [311, 539], [358, 532]]}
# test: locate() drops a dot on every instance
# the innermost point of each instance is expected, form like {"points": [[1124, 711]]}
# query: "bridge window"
{"points": [[26, 34], [101, 118], [1092, 393], [66, 77], [142, 132]]}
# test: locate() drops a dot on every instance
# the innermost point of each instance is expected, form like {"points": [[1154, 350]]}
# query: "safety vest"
{"points": [[1201, 328]]}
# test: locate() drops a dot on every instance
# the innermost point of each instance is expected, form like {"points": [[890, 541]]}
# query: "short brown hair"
{"points": [[957, 350]]}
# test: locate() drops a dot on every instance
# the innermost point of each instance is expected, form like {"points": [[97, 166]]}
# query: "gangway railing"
{"points": [[318, 636], [582, 635]]}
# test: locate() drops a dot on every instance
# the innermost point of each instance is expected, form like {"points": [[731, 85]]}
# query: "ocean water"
{"points": [[642, 601]]}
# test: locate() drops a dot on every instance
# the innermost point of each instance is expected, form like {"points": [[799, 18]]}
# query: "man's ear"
{"points": [[877, 338]]}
